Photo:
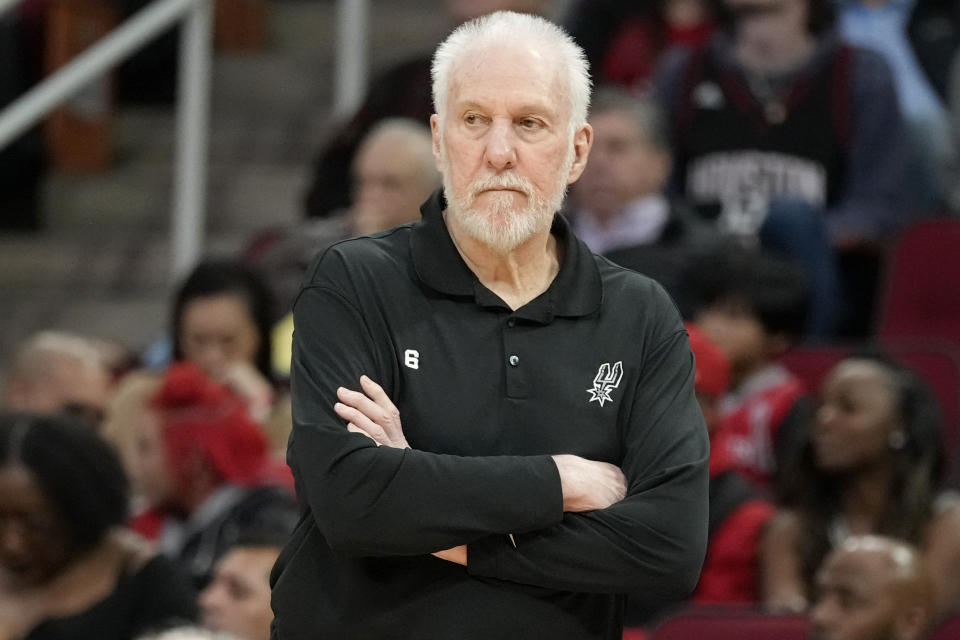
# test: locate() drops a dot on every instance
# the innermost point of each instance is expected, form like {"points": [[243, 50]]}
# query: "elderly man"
{"points": [[526, 446], [399, 91], [872, 588]]}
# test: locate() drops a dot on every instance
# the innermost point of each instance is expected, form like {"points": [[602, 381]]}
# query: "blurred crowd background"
{"points": [[787, 169]]}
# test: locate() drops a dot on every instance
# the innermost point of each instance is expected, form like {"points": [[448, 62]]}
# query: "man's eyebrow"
{"points": [[537, 110], [471, 105]]}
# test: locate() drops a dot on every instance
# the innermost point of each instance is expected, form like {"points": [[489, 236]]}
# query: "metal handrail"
{"points": [[193, 105], [353, 18], [193, 97], [7, 5]]}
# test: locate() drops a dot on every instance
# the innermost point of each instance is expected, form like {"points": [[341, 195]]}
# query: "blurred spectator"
{"points": [[871, 464], [238, 598], [223, 314], [785, 133], [753, 305], [918, 39], [132, 426], [619, 199], [623, 40], [872, 588], [59, 372], [739, 510], [402, 91], [618, 205], [205, 470], [67, 568], [393, 173]]}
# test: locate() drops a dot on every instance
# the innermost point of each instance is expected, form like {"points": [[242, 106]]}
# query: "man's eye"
{"points": [[530, 123], [472, 118]]}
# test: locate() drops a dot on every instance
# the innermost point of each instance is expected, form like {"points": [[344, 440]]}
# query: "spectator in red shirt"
{"points": [[739, 510], [753, 306], [213, 477]]}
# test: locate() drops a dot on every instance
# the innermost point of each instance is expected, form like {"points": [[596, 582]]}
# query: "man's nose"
{"points": [[501, 148]]}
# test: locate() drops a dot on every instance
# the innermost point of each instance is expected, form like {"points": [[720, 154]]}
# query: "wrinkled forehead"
{"points": [[486, 68]]}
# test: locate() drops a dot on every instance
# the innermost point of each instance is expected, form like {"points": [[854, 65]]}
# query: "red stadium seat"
{"points": [[921, 296], [949, 629], [811, 364], [732, 625]]}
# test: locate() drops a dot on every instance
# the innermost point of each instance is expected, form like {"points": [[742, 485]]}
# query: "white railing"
{"points": [[6, 5], [193, 105], [193, 96], [353, 17]]}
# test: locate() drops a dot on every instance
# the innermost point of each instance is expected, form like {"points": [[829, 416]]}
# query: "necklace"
{"points": [[774, 110]]}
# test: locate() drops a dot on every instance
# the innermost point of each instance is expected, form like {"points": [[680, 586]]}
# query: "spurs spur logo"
{"points": [[606, 380]]}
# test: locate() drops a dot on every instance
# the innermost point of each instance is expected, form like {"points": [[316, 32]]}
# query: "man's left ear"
{"points": [[435, 142], [582, 141]]}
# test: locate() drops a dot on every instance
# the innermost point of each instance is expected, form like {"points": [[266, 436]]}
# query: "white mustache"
{"points": [[503, 181]]}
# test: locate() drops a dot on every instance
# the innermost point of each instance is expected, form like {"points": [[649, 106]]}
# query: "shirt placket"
{"points": [[514, 365]]}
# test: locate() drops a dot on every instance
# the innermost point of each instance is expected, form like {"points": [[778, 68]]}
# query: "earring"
{"points": [[897, 439]]}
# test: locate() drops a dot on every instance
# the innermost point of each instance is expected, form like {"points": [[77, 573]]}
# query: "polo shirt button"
{"points": [[514, 360], [511, 322]]}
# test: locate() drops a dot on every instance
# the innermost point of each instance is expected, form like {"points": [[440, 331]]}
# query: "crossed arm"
{"points": [[586, 484], [572, 530]]}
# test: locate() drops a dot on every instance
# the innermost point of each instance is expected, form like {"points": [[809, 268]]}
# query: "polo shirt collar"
{"points": [[576, 290]]}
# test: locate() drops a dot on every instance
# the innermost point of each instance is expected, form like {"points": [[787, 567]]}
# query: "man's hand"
{"points": [[588, 484], [371, 413]]}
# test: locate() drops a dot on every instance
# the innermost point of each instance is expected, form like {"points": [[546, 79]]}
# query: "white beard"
{"points": [[502, 227]]}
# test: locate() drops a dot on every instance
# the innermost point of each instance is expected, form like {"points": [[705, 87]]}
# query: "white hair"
{"points": [[505, 28]]}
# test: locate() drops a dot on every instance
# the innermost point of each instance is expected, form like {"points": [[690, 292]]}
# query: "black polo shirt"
{"points": [[599, 366]]}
